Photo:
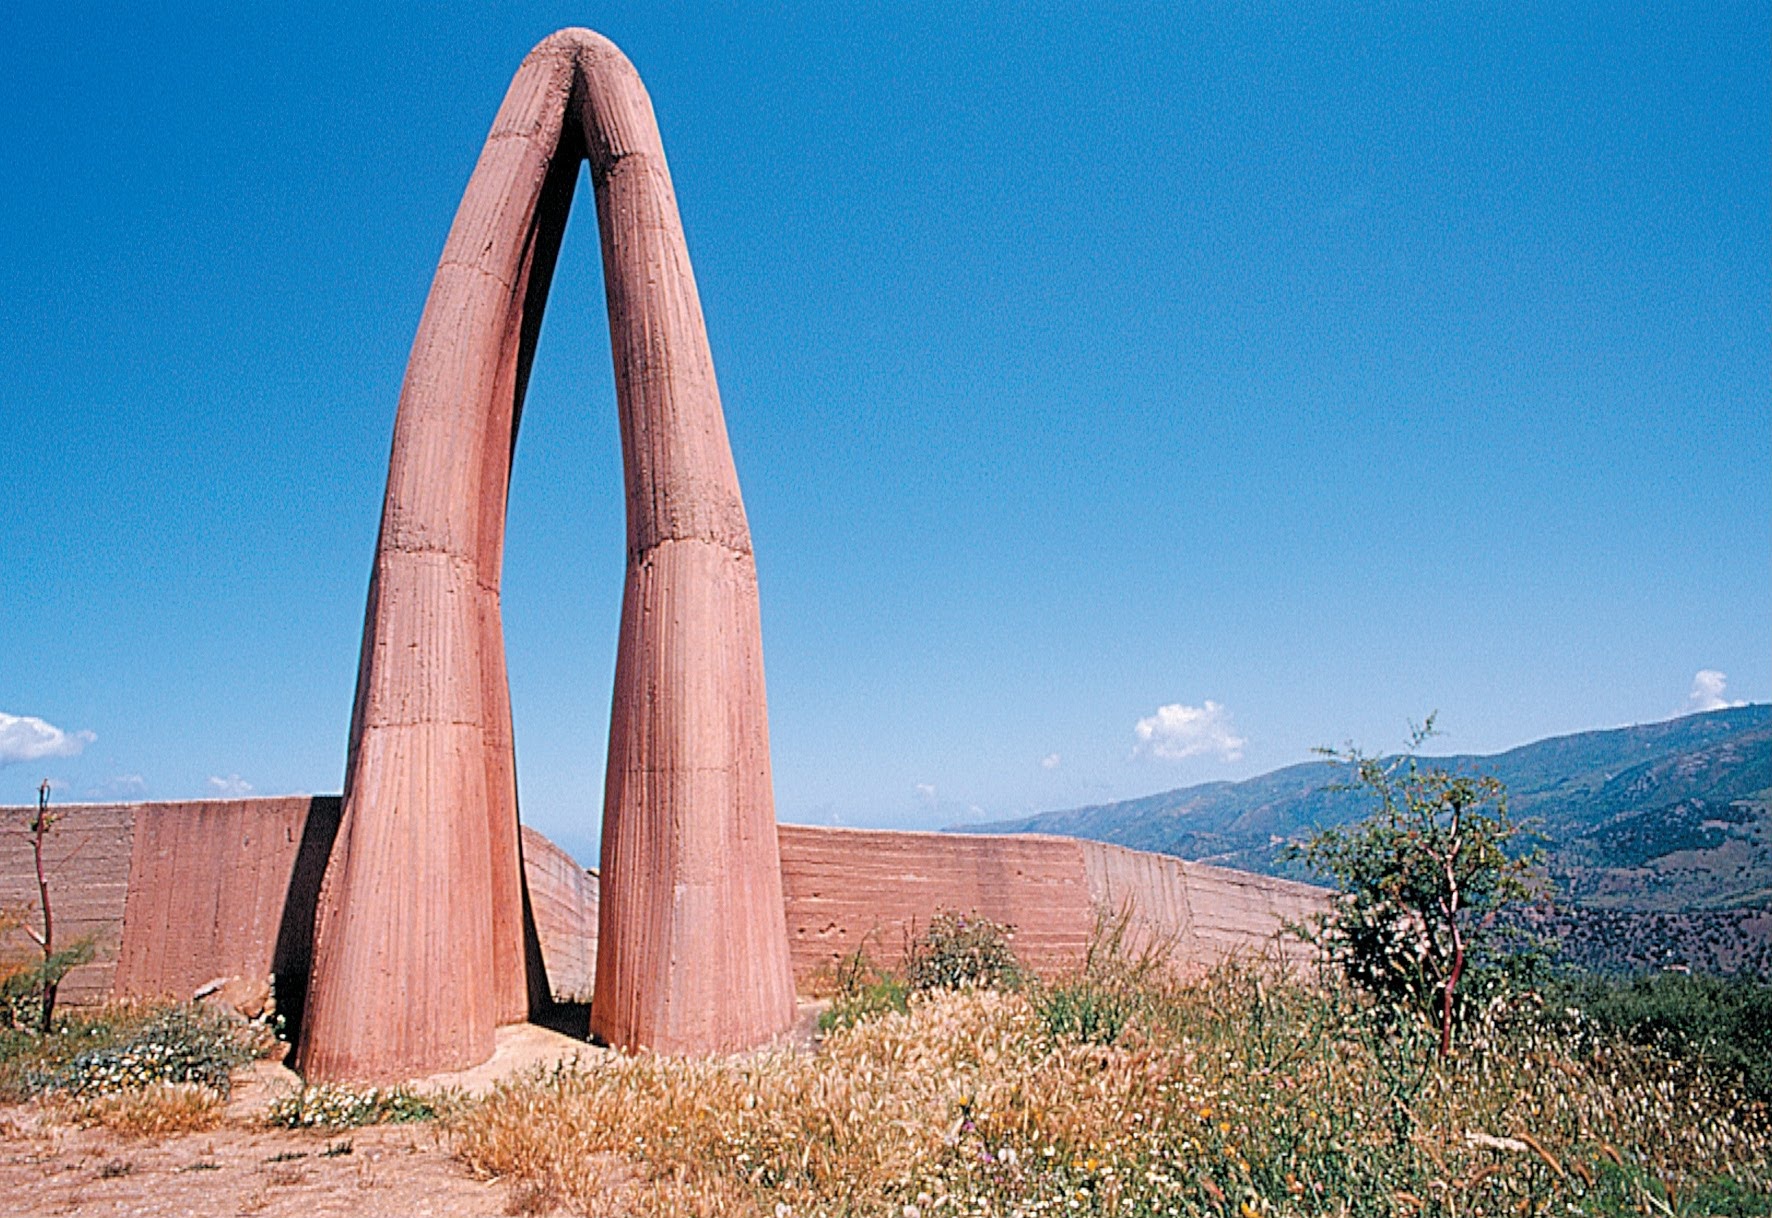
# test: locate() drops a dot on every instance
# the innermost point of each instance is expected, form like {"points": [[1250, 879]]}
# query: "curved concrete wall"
{"points": [[875, 889], [1196, 914], [563, 897], [179, 894]]}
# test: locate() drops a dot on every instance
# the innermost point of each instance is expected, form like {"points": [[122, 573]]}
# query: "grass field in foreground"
{"points": [[1121, 1093]]}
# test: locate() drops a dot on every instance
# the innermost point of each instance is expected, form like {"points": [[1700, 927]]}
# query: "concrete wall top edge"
{"points": [[1272, 883], [156, 805], [943, 835]]}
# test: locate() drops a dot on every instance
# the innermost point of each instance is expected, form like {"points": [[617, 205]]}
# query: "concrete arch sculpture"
{"points": [[419, 940]]}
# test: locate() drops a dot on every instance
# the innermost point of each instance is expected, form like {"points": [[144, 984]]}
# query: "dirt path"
{"points": [[392, 1170], [51, 1167]]}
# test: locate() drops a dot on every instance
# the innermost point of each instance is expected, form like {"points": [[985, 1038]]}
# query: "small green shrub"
{"points": [[863, 991], [1422, 878], [957, 951], [334, 1106], [22, 983], [1096, 1004], [113, 1049], [1085, 1009], [961, 951]]}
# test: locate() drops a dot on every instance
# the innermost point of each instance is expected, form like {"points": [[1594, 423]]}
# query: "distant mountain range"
{"points": [[1659, 837]]}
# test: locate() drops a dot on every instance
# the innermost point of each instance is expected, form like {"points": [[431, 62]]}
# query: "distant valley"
{"points": [[1658, 837]]}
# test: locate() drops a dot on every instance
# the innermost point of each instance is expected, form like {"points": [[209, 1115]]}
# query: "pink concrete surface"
{"points": [[850, 889], [87, 858], [174, 895], [856, 889], [563, 896], [209, 882], [179, 894], [418, 946], [1198, 915]]}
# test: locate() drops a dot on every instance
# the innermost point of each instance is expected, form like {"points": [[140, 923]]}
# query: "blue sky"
{"points": [[1122, 399]]}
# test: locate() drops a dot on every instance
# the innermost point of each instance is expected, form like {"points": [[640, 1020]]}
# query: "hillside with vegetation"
{"points": [[1658, 837]]}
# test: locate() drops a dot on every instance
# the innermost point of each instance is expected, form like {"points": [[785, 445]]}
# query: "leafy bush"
{"points": [[335, 1106], [957, 951], [23, 982], [961, 951], [1421, 879]]}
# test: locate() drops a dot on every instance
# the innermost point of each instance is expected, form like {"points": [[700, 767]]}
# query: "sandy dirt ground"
{"points": [[50, 1167], [365, 1173]]}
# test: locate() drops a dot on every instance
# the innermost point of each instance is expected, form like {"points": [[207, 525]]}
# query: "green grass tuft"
{"points": [[336, 1106]]}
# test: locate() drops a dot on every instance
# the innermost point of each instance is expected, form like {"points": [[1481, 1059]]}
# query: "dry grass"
{"points": [[1234, 1096], [156, 1111]]}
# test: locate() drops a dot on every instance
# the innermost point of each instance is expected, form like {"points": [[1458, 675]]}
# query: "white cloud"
{"points": [[1177, 731], [24, 738], [926, 792], [232, 787], [1050, 761], [1707, 692]]}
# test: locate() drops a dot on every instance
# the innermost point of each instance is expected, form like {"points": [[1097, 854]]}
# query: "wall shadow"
{"points": [[295, 934], [292, 958]]}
